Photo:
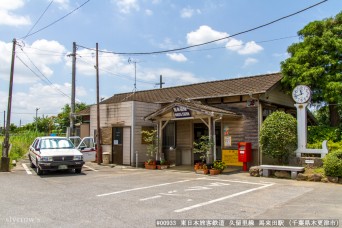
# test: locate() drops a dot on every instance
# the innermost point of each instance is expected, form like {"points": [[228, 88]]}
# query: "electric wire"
{"points": [[38, 19], [46, 80], [221, 47], [209, 42], [112, 73], [49, 25]]}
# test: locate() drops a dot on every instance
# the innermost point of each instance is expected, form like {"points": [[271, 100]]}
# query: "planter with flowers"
{"points": [[202, 169], [163, 164], [150, 137], [218, 167], [202, 148]]}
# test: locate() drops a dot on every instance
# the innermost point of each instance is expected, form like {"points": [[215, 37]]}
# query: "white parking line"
{"points": [[148, 198], [90, 168], [220, 199], [26, 169], [146, 187]]}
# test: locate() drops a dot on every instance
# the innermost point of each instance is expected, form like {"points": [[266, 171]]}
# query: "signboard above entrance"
{"points": [[181, 112]]}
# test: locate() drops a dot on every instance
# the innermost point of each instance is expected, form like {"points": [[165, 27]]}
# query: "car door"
{"points": [[87, 148], [34, 153]]}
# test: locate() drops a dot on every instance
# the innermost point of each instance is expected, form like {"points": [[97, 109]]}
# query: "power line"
{"points": [[48, 82], [209, 42], [49, 25], [38, 19], [112, 73]]}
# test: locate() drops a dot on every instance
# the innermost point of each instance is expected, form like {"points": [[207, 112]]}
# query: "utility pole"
{"points": [[37, 119], [73, 90], [98, 138], [5, 160], [4, 122], [160, 82]]}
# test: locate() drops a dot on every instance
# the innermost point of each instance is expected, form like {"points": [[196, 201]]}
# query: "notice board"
{"points": [[230, 157]]}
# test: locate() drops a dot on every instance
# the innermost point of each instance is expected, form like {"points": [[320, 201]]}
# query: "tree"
{"points": [[63, 118], [316, 61], [278, 136]]}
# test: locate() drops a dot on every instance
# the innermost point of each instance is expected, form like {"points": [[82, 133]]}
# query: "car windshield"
{"points": [[58, 143], [75, 141]]}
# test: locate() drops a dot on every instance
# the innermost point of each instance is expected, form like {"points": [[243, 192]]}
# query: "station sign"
{"points": [[181, 112]]}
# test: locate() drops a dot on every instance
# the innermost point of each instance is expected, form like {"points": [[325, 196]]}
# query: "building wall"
{"points": [[276, 96], [120, 114], [142, 109], [184, 133]]}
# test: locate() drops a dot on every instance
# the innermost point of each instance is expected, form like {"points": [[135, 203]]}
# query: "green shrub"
{"points": [[20, 144], [332, 163], [278, 136], [331, 145], [321, 133]]}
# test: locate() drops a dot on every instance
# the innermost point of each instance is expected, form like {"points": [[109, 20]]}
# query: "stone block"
{"points": [[302, 177], [315, 177], [255, 171]]}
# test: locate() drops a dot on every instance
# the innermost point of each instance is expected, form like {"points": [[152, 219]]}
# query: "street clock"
{"points": [[301, 94]]}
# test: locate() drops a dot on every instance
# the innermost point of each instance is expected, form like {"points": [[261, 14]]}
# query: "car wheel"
{"points": [[31, 163], [78, 170], [38, 170]]}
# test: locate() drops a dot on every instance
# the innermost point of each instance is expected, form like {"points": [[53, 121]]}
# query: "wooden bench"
{"points": [[293, 169]]}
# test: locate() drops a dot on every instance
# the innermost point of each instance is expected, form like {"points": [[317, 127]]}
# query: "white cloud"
{"points": [[178, 57], [188, 12], [63, 4], [126, 6], [243, 49], [250, 48], [250, 61], [204, 34], [170, 76], [148, 12], [42, 53], [8, 18], [11, 4], [234, 44]]}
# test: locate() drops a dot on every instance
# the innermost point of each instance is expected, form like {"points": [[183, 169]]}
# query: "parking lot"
{"points": [[129, 197]]}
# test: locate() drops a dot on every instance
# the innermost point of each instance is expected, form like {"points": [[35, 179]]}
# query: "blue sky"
{"points": [[129, 26]]}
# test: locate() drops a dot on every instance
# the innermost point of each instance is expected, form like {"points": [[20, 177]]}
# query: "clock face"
{"points": [[301, 94]]}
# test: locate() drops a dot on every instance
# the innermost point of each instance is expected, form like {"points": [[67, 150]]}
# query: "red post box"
{"points": [[244, 153]]}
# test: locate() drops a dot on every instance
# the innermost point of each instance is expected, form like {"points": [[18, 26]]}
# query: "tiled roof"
{"points": [[84, 112], [221, 88]]}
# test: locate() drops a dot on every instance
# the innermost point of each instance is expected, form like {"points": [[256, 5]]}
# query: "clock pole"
{"points": [[301, 128]]}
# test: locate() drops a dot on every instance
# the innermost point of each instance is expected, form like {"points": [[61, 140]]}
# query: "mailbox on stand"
{"points": [[244, 153]]}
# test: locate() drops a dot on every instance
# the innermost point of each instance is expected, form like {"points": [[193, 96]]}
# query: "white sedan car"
{"points": [[55, 153]]}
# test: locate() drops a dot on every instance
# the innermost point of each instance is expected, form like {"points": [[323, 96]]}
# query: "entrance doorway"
{"points": [[202, 129], [199, 130], [117, 146]]}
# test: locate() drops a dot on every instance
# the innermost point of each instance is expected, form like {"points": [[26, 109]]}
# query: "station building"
{"points": [[229, 111]]}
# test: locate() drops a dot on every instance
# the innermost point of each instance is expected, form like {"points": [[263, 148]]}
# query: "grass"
{"points": [[20, 144]]}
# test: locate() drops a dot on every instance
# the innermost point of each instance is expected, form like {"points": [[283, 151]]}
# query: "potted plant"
{"points": [[203, 169], [150, 137], [163, 164], [202, 147], [218, 167]]}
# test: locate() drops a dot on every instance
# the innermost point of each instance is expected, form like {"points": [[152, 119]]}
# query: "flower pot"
{"points": [[162, 166], [202, 171], [215, 171]]}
